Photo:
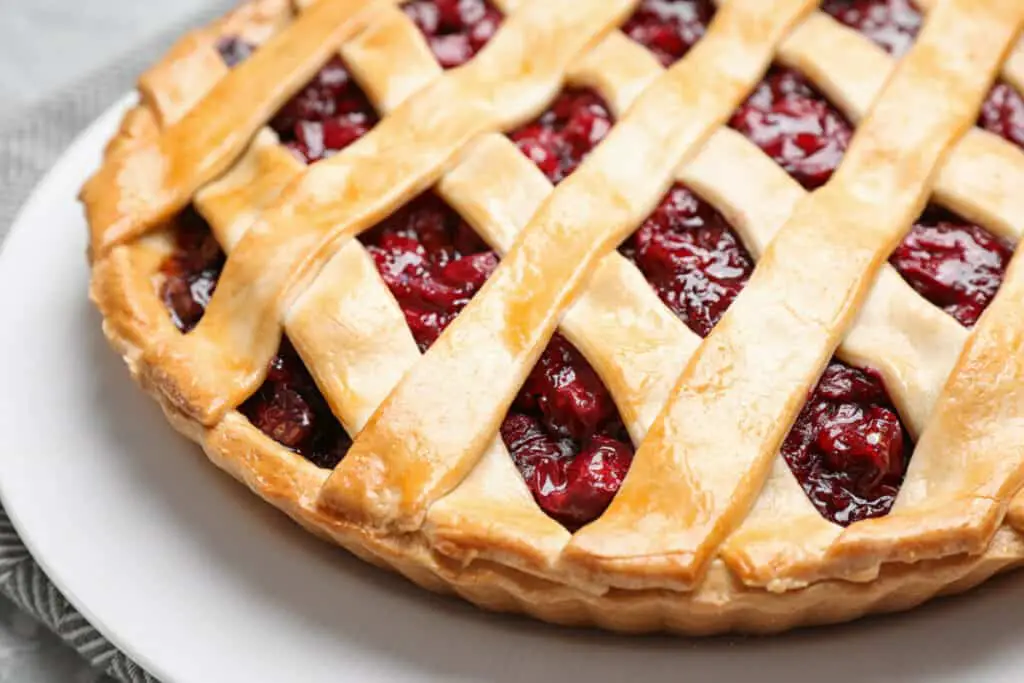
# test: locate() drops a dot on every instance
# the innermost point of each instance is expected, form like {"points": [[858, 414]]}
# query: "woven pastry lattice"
{"points": [[710, 530]]}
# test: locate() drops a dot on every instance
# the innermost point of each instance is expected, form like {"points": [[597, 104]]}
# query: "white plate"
{"points": [[200, 581]]}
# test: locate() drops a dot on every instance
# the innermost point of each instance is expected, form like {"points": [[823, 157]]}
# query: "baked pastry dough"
{"points": [[343, 339]]}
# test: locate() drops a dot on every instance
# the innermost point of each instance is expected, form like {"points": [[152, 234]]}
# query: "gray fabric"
{"points": [[30, 142]]}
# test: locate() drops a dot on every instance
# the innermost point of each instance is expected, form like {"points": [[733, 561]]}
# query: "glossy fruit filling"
{"points": [[795, 125], [953, 263], [455, 29], [562, 137], [894, 24], [326, 116], [692, 257], [698, 265], [848, 448], [669, 28], [432, 262], [289, 408]]}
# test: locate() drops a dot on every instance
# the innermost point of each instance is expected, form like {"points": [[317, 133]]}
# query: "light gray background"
{"points": [[46, 45]]}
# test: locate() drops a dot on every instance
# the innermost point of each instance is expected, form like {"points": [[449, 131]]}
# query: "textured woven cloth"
{"points": [[30, 142]]}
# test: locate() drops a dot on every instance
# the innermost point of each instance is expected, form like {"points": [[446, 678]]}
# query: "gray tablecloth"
{"points": [[31, 139]]}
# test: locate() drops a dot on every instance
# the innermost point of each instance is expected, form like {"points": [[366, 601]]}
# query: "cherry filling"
{"points": [[562, 137], [289, 408], [326, 116], [567, 438], [894, 24], [563, 431], [794, 125], [954, 264], [848, 448], [455, 29], [191, 272], [432, 262], [692, 258], [330, 113], [1003, 113], [669, 28]]}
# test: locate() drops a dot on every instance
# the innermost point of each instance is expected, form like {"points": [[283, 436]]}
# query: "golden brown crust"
{"points": [[486, 540]]}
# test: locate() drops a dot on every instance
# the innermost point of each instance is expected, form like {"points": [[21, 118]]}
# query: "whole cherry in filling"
{"points": [[566, 437], [956, 265], [848, 448], [794, 125], [562, 137], [669, 28], [455, 29], [289, 408]]}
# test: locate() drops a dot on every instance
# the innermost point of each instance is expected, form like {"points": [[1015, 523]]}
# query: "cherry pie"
{"points": [[649, 314]]}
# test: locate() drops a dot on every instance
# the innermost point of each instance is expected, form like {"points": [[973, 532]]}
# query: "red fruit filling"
{"points": [[326, 116], [692, 258], [954, 264], [893, 24], [190, 273], [455, 29], [289, 408], [566, 437], [848, 448], [669, 28], [562, 137], [563, 431], [432, 262], [794, 125], [1003, 113]]}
